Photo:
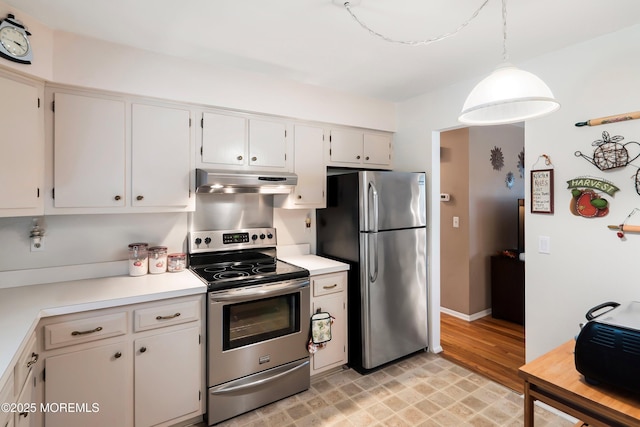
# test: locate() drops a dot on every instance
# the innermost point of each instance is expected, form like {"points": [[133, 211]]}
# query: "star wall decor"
{"points": [[497, 158]]}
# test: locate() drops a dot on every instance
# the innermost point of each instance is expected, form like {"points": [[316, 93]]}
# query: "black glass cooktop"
{"points": [[242, 268]]}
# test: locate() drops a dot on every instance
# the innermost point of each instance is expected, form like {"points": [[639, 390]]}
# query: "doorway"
{"points": [[481, 178]]}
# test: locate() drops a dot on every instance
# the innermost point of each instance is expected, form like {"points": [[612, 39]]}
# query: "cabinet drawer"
{"points": [[166, 315], [328, 283], [22, 368], [84, 330]]}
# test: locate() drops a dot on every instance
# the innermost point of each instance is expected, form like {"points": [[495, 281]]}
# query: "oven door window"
{"points": [[255, 321]]}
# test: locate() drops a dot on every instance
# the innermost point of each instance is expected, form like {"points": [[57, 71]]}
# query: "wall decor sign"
{"points": [[542, 191], [586, 200]]}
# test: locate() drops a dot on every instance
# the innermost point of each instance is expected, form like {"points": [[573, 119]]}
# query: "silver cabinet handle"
{"points": [[34, 359], [239, 157], [253, 159], [330, 286], [168, 317], [98, 329]]}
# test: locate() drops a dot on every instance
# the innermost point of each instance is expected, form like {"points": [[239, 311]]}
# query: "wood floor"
{"points": [[491, 347]]}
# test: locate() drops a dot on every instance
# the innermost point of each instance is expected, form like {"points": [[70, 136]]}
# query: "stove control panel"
{"points": [[221, 240]]}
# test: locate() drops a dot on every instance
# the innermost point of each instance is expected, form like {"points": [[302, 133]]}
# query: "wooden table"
{"points": [[553, 379]]}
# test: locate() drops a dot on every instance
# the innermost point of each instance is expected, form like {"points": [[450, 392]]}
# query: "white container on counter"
{"points": [[157, 259], [138, 259], [176, 262]]}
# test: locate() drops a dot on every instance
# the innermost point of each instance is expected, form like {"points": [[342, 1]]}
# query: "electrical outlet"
{"points": [[456, 222], [37, 244]]}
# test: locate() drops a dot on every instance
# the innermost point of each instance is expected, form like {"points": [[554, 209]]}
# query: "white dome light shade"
{"points": [[508, 95]]}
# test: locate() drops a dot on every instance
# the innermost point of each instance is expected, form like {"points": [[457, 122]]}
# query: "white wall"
{"points": [[588, 264], [93, 63]]}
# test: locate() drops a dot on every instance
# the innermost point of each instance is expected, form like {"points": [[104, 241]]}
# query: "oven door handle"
{"points": [[242, 384], [260, 291]]}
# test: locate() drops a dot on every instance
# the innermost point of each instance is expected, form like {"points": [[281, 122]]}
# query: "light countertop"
{"points": [[299, 255], [21, 308]]}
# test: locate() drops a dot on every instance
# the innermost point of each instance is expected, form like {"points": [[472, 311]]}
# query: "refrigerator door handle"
{"points": [[373, 196], [373, 276]]}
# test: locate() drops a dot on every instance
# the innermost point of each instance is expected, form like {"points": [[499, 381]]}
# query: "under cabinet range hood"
{"points": [[231, 182]]}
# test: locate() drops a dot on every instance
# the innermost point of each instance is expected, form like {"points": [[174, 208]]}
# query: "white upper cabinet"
{"points": [[160, 156], [355, 148], [89, 152], [377, 149], [267, 144], [223, 139], [243, 143], [22, 148], [346, 146], [117, 154], [308, 164]]}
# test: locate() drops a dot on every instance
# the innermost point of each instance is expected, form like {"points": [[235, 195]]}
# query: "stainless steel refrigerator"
{"points": [[376, 222]]}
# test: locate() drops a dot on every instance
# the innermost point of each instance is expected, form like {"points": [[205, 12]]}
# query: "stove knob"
{"points": [[207, 240], [254, 237], [269, 236], [262, 236], [198, 241]]}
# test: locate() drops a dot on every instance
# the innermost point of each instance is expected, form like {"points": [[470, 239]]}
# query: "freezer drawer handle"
{"points": [[330, 286], [173, 316], [98, 329]]}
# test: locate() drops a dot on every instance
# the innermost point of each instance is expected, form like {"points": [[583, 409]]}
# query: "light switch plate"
{"points": [[544, 244], [456, 222]]}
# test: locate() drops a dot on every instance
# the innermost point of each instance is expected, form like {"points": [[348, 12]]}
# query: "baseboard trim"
{"points": [[467, 317]]}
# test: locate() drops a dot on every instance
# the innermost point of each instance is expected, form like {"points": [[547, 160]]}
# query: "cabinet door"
{"points": [[22, 158], [101, 376], [6, 396], [346, 146], [160, 139], [309, 167], [167, 376], [377, 149], [26, 404], [223, 139], [267, 143], [334, 354], [89, 151]]}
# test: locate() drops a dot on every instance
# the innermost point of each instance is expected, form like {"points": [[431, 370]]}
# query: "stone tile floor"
{"points": [[423, 390]]}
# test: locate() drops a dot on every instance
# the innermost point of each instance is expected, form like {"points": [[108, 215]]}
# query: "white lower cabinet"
{"points": [[150, 373], [97, 381], [177, 391], [6, 396], [329, 294]]}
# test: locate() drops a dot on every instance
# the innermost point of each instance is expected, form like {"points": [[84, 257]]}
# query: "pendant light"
{"points": [[508, 95]]}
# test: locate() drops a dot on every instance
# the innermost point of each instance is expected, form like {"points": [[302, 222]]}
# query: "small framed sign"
{"points": [[542, 191]]}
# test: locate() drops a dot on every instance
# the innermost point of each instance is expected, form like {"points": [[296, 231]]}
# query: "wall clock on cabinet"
{"points": [[14, 41]]}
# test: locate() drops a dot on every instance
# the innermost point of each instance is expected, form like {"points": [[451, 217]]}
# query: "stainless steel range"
{"points": [[257, 320]]}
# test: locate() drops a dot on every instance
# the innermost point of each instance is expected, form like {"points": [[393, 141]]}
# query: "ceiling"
{"points": [[318, 42]]}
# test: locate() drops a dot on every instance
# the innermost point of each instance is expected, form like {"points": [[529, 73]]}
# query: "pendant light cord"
{"points": [[347, 6], [505, 54]]}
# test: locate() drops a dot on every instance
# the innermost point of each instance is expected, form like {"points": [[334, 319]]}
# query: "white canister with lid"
{"points": [[138, 259], [157, 259]]}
